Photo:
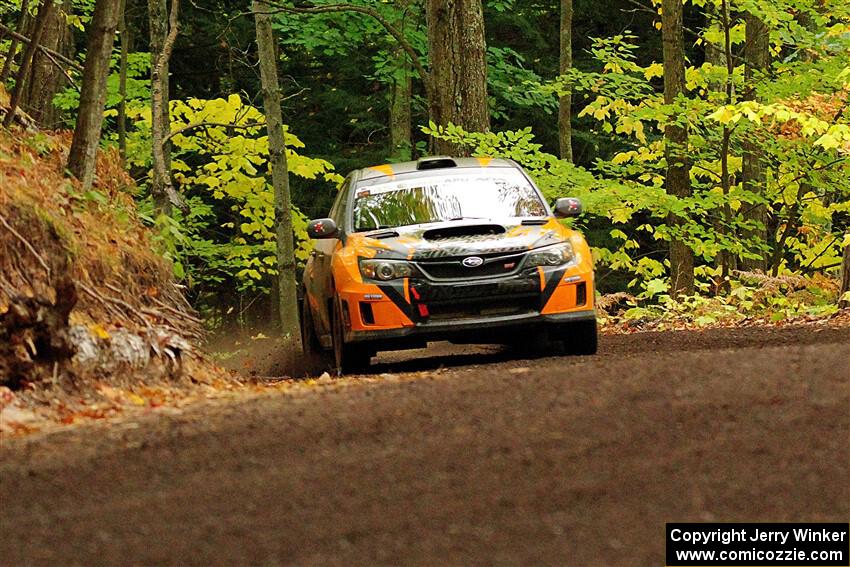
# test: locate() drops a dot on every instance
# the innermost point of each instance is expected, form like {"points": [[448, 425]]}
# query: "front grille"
{"points": [[490, 307], [453, 268], [502, 289]]}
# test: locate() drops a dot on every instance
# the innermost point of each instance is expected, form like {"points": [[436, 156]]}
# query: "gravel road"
{"points": [[468, 457]]}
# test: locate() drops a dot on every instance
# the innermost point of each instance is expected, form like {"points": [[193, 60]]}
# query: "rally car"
{"points": [[458, 249]]}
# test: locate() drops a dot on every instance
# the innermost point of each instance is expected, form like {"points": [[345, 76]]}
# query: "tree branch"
{"points": [[188, 127], [26, 244], [46, 50], [424, 75], [62, 69]]}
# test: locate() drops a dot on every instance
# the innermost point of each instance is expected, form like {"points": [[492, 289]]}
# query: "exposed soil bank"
{"points": [[492, 460]]}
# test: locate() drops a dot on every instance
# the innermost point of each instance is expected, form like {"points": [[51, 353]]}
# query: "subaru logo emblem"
{"points": [[472, 261]]}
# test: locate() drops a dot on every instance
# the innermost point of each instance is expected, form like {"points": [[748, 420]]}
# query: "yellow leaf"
{"points": [[654, 70], [622, 157], [828, 142], [724, 115], [135, 399], [99, 332]]}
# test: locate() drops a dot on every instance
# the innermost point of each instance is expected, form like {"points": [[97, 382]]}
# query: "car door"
{"points": [[321, 256]]}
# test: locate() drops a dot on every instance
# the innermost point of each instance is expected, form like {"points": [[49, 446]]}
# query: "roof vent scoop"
{"points": [[435, 162]]}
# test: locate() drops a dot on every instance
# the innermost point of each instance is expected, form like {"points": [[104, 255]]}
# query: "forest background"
{"points": [[709, 140]]}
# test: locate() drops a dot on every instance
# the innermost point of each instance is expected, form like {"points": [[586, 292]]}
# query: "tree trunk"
{"points": [[458, 54], [843, 301], [124, 35], [101, 31], [401, 134], [26, 60], [565, 111], [162, 190], [289, 323], [727, 259], [45, 78], [160, 112], [715, 55], [678, 181], [756, 60], [401, 95], [13, 47]]}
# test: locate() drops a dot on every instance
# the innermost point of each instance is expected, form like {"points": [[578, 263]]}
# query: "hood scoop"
{"points": [[381, 234], [447, 232]]}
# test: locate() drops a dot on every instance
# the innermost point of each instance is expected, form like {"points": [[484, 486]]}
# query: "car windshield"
{"points": [[492, 194]]}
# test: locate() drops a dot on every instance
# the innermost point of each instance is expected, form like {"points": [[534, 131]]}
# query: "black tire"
{"points": [[580, 338], [309, 340], [316, 358], [348, 358]]}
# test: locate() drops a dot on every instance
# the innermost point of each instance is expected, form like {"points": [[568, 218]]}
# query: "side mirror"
{"points": [[567, 207], [322, 228]]}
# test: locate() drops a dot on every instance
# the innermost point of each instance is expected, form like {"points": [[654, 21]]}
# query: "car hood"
{"points": [[462, 238]]}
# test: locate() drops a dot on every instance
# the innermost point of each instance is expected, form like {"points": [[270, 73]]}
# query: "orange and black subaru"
{"points": [[459, 249]]}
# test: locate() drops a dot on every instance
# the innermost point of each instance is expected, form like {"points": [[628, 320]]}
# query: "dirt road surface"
{"points": [[470, 457]]}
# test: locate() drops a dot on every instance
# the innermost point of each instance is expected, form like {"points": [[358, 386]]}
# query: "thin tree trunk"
{"points": [[13, 47], [46, 78], [458, 53], [289, 322], [124, 34], [565, 103], [83, 154], [792, 222], [678, 181], [843, 301], [715, 55], [725, 177], [26, 60], [756, 60], [401, 95], [401, 134], [161, 187]]}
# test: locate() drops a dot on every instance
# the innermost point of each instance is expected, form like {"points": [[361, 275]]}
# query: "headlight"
{"points": [[385, 270], [556, 255]]}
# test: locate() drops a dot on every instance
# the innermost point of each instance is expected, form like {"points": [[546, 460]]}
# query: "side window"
{"points": [[338, 210]]}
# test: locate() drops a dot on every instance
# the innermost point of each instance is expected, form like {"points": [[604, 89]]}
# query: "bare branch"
{"points": [[424, 75], [61, 68], [46, 50], [26, 244]]}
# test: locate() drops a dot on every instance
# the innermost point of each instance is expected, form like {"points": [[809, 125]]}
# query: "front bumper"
{"points": [[479, 310], [483, 327]]}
